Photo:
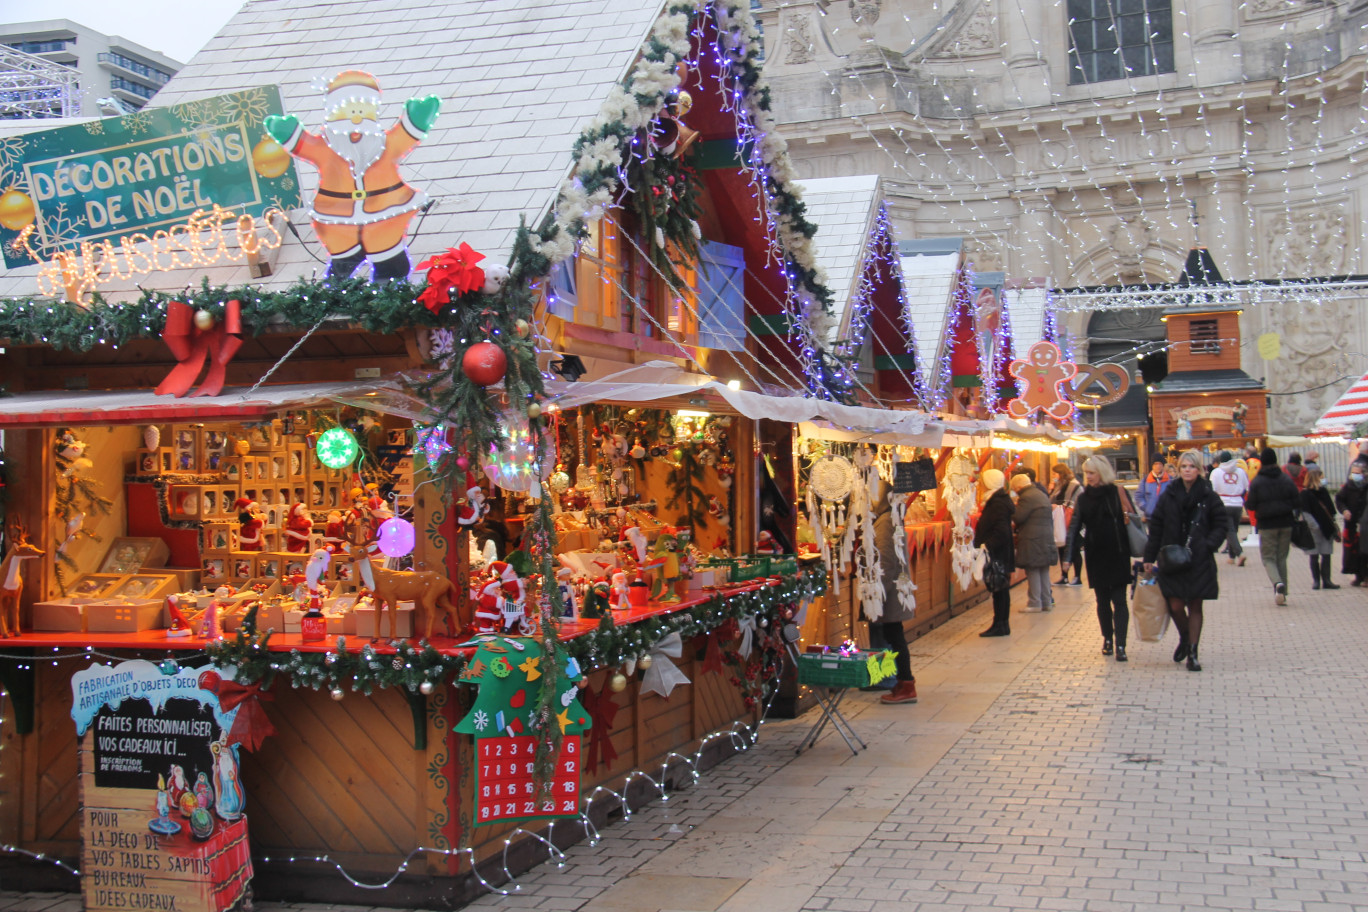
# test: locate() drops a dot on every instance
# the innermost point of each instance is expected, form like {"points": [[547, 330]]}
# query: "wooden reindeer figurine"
{"points": [[12, 579], [427, 589]]}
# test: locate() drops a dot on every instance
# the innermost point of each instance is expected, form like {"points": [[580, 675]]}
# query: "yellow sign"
{"points": [[1270, 346], [201, 241]]}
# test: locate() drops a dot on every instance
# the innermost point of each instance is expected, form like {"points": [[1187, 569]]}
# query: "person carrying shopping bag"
{"points": [[1100, 518], [993, 533], [1185, 532]]}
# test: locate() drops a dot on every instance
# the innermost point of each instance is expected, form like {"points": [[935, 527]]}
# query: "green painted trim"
{"points": [[717, 154], [903, 361], [768, 324], [966, 381]]}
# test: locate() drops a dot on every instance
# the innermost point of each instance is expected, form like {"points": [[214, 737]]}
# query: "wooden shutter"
{"points": [[721, 297]]}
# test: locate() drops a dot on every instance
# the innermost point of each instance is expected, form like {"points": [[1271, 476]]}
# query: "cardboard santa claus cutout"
{"points": [[362, 209]]}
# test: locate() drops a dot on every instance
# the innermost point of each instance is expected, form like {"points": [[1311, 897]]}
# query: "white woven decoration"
{"points": [[906, 587], [868, 563], [959, 500], [831, 478]]}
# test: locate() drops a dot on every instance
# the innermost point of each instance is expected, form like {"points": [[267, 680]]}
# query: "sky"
{"points": [[161, 25]]}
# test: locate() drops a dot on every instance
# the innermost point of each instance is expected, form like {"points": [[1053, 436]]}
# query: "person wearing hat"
{"points": [[250, 523], [1035, 547], [1273, 495], [993, 533], [1101, 518]]}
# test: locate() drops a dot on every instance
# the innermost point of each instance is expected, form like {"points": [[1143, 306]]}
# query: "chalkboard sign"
{"points": [[914, 477], [134, 744]]}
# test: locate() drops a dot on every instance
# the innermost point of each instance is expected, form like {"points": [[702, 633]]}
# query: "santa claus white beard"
{"points": [[365, 151]]}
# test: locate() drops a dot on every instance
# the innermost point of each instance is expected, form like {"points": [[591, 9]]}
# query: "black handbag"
{"points": [[1175, 559], [1301, 533], [995, 575]]}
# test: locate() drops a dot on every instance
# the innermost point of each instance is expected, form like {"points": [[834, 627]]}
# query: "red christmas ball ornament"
{"points": [[462, 462], [484, 363]]}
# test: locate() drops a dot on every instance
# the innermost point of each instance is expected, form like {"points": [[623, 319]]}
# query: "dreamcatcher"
{"points": [[889, 457], [965, 560], [829, 482], [868, 562]]}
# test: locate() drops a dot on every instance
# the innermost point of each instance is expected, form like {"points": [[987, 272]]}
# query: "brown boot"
{"points": [[905, 692]]}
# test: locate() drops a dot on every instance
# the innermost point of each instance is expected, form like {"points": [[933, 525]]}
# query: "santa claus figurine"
{"points": [[250, 522], [363, 207], [500, 603], [335, 533], [298, 529]]}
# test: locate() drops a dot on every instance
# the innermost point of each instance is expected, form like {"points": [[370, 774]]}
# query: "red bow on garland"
{"points": [[191, 345], [250, 726], [712, 658], [453, 271], [602, 711]]}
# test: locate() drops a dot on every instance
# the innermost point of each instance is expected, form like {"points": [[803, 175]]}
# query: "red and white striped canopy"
{"points": [[1349, 411]]}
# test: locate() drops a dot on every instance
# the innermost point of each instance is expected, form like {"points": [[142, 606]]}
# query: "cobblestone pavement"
{"points": [[1033, 774]]}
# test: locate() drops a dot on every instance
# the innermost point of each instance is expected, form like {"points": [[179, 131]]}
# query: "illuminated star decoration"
{"points": [[432, 441], [337, 448], [453, 272], [529, 667]]}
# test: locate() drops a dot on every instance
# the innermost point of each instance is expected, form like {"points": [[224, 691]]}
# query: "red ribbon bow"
{"points": [[250, 726], [191, 345], [602, 711]]}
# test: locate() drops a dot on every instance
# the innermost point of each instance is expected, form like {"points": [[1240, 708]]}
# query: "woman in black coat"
{"points": [[1351, 500], [1099, 528], [993, 532], [1189, 513], [1319, 511]]}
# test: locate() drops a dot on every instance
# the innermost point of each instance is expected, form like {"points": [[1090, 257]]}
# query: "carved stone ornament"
{"points": [[985, 253], [1266, 9], [798, 41], [978, 35], [1312, 336], [1309, 242]]}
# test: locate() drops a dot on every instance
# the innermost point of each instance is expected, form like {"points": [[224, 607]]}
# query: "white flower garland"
{"points": [[640, 100]]}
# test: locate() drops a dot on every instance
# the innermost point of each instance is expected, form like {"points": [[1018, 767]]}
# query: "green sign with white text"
{"points": [[133, 176]]}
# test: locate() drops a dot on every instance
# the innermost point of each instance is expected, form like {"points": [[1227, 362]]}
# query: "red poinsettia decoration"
{"points": [[451, 274]]}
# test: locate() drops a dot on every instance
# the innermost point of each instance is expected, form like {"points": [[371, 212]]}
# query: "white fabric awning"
{"points": [[55, 408], [1349, 411]]}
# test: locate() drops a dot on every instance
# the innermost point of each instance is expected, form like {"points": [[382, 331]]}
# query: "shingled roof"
{"points": [[519, 81]]}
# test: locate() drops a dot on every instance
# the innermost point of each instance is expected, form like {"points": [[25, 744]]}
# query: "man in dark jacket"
{"points": [[1274, 497]]}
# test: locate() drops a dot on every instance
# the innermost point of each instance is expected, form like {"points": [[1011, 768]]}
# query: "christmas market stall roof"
{"points": [[519, 80], [55, 408], [844, 209], [1348, 412], [928, 273]]}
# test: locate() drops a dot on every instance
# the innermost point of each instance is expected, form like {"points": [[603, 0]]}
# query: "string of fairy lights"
{"points": [[949, 162]]}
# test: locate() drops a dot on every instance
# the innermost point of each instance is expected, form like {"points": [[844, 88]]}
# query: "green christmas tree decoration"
{"points": [[510, 674]]}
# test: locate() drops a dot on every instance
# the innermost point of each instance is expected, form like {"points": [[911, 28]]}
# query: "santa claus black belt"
{"points": [[358, 194]]}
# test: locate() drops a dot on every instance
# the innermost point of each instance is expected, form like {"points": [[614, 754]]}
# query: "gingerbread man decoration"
{"points": [[1041, 379]]}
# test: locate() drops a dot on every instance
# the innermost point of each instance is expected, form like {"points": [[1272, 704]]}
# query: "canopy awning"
{"points": [[55, 408], [1349, 411]]}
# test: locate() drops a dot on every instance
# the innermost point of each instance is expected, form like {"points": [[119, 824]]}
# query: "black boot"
{"points": [[1121, 652], [1325, 572], [1193, 664], [1107, 646], [392, 268], [1315, 571], [341, 267], [1182, 651]]}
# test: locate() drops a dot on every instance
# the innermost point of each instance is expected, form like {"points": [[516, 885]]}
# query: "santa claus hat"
{"points": [[510, 584], [352, 84], [299, 510], [244, 503]]}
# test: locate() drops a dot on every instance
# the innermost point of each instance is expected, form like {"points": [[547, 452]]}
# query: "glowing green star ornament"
{"points": [[337, 448]]}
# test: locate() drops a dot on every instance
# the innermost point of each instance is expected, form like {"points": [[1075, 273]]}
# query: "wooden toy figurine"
{"points": [[427, 589], [12, 579]]}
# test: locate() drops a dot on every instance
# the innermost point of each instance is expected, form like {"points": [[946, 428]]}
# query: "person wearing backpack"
{"points": [[1231, 485], [1274, 496]]}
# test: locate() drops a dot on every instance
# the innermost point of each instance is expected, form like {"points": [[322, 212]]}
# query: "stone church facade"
{"points": [[1094, 142]]}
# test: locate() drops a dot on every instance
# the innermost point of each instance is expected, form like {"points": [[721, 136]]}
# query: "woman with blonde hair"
{"points": [[1100, 520], [1319, 510], [1188, 526]]}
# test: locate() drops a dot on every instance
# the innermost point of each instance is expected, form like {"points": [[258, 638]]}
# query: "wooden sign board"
{"points": [[161, 800], [914, 477]]}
